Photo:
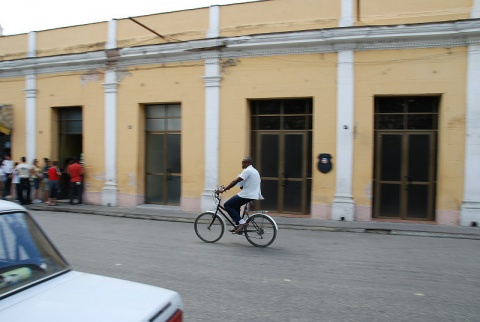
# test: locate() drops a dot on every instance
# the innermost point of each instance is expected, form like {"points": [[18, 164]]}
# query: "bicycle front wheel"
{"points": [[261, 230], [209, 227]]}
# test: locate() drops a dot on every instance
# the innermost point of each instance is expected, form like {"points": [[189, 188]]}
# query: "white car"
{"points": [[37, 283]]}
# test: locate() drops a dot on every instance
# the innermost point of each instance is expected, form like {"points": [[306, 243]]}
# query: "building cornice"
{"points": [[52, 64], [426, 35]]}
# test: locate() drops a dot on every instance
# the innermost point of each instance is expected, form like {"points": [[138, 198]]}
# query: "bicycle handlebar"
{"points": [[217, 192]]}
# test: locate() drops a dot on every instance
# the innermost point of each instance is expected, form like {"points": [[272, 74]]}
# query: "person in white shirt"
{"points": [[7, 167], [16, 189], [249, 181], [24, 174]]}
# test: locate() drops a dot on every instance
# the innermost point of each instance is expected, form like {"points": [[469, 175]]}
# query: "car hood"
{"points": [[76, 296]]}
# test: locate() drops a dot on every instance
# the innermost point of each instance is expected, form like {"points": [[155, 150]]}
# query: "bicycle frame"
{"points": [[220, 209], [260, 231]]}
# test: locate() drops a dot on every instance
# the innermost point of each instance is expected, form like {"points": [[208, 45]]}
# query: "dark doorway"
{"points": [[5, 145], [163, 154], [405, 157], [281, 147], [70, 138]]}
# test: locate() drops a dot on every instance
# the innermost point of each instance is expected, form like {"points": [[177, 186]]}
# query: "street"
{"points": [[303, 276]]}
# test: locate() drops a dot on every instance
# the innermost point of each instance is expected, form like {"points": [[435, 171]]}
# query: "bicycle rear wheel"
{"points": [[209, 227], [261, 230]]}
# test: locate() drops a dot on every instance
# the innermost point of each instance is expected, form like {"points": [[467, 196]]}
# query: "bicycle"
{"points": [[260, 232]]}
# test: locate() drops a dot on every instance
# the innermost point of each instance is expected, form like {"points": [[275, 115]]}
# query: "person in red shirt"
{"points": [[75, 171], [54, 174]]}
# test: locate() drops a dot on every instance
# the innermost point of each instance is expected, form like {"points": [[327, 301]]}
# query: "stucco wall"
{"points": [[278, 16], [381, 12], [413, 72], [404, 71], [13, 47], [305, 76], [173, 83], [71, 40], [174, 26]]}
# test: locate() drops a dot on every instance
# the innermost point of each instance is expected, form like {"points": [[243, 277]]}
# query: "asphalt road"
{"points": [[302, 276]]}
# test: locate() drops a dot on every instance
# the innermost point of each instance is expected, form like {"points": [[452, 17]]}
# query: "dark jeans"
{"points": [[75, 190], [18, 191], [53, 188], [24, 196], [7, 185], [232, 206]]}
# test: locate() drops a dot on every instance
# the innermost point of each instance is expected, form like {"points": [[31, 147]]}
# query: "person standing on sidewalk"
{"points": [[7, 167], [16, 188], [54, 175], [24, 174], [45, 184], [75, 171], [36, 175]]}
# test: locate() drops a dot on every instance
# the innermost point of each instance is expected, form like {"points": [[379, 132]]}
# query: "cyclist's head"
{"points": [[246, 162]]}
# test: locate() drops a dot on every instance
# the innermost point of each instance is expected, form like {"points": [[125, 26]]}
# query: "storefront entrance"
{"points": [[163, 158], [281, 147], [70, 138], [405, 157]]}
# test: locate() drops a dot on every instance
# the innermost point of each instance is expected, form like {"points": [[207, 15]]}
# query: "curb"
{"points": [[381, 231], [183, 219]]}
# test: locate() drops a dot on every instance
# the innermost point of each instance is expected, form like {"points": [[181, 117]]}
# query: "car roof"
{"points": [[6, 206]]}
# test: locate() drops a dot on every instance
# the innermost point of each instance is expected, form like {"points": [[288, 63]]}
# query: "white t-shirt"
{"points": [[251, 184], [7, 166], [23, 170], [15, 178]]}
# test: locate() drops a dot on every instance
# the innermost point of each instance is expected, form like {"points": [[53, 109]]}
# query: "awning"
{"points": [[6, 119]]}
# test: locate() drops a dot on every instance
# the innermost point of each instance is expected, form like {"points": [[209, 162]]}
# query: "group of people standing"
{"points": [[26, 182]]}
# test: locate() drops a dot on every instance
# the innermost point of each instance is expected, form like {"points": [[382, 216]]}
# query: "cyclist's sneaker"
{"points": [[241, 228], [233, 230]]}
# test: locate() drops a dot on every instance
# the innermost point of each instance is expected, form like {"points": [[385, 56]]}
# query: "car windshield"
{"points": [[26, 254]]}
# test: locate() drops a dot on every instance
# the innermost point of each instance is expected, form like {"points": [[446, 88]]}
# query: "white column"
{"points": [[112, 35], [343, 207], [214, 30], [31, 103], [347, 13], [110, 191], [475, 13], [470, 209], [212, 118], [212, 80], [30, 115], [32, 44]]}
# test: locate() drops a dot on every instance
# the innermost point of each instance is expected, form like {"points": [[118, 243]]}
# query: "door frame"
{"points": [[406, 115], [69, 141], [284, 116], [283, 180], [404, 175], [165, 125]]}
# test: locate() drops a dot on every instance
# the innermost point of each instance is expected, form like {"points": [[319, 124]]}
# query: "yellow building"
{"points": [[164, 107]]}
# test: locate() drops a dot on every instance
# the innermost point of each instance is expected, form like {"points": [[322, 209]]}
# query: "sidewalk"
{"points": [[163, 213]]}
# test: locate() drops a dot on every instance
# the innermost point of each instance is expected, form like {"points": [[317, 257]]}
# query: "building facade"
{"points": [[351, 109]]}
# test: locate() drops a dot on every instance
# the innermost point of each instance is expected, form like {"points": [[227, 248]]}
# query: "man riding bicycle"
{"points": [[249, 181]]}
